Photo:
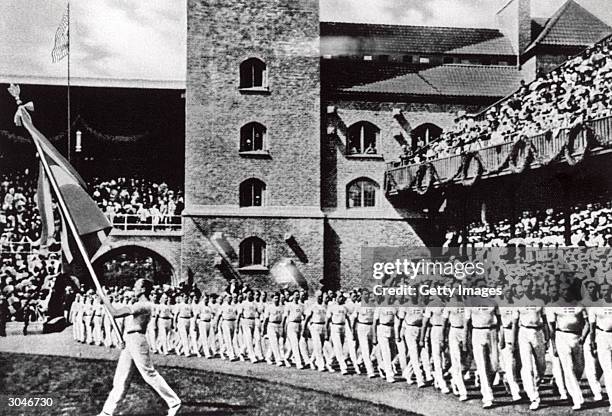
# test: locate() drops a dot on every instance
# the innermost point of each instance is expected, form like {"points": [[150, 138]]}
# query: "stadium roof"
{"points": [[449, 80], [94, 82], [572, 25], [361, 38]]}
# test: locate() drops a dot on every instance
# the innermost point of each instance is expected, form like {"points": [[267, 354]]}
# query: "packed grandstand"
{"points": [[575, 92]]}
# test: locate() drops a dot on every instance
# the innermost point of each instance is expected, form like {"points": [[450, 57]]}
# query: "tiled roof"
{"points": [[361, 38], [572, 25], [343, 74], [404, 84], [450, 80]]}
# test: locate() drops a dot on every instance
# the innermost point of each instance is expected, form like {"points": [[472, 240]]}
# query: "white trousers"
{"points": [[455, 341], [604, 353], [364, 335], [532, 348], [571, 357], [411, 337], [337, 339], [137, 354], [486, 357], [204, 337], [591, 370]]}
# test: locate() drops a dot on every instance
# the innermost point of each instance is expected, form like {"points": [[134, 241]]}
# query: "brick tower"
{"points": [[252, 146]]}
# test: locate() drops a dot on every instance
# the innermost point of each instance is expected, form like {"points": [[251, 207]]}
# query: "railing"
{"points": [[401, 177], [125, 222], [22, 248]]}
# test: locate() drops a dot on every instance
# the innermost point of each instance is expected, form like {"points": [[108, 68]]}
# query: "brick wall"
{"points": [[338, 169], [199, 253], [345, 237], [221, 34]]}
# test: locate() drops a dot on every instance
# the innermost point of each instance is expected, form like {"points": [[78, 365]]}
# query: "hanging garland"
{"points": [[465, 167], [521, 147], [425, 178], [75, 125], [111, 138]]}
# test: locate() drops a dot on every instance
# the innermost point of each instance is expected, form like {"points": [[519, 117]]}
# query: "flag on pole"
{"points": [[91, 224], [62, 39]]}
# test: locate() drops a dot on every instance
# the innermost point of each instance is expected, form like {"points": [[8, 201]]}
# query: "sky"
{"points": [[145, 39]]}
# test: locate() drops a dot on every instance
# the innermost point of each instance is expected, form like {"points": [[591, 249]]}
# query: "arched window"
{"points": [[424, 134], [252, 136], [362, 138], [253, 74], [252, 252], [252, 192], [361, 193]]}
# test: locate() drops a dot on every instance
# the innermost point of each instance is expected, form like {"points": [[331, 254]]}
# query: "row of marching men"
{"points": [[441, 344]]}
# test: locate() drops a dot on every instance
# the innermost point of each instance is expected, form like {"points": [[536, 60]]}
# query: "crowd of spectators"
{"points": [[590, 226], [577, 91], [130, 202], [28, 271]]}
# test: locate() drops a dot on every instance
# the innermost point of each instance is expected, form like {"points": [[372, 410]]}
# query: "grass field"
{"points": [[79, 387]]}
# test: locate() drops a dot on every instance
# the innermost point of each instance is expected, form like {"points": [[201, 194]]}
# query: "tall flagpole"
{"points": [[74, 231], [68, 91]]}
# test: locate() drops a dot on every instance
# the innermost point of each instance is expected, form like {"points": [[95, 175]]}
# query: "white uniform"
{"points": [[434, 313], [412, 321], [249, 313], [164, 326], [294, 314], [184, 314], [229, 313], [274, 315], [137, 354], [592, 368], [569, 322], [204, 318], [364, 317], [337, 315], [484, 346], [602, 317], [508, 357], [455, 315], [532, 346], [317, 315], [384, 316]]}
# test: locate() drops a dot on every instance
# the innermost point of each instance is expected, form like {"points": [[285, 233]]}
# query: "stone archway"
{"points": [[124, 264]]}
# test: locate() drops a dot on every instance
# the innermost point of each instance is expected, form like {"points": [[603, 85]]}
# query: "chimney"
{"points": [[514, 21]]}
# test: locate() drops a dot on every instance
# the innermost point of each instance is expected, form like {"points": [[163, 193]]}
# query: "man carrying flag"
{"points": [[89, 228]]}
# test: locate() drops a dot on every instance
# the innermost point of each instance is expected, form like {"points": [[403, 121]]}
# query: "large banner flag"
{"points": [[91, 224]]}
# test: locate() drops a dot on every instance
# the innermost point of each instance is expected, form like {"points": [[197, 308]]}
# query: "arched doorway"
{"points": [[123, 265]]}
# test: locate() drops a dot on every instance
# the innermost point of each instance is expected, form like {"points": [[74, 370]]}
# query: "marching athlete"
{"points": [[569, 329], [137, 352], [601, 338], [246, 320], [454, 320], [531, 327], [204, 318], [335, 325], [362, 321], [272, 323], [384, 321], [484, 323], [315, 323]]}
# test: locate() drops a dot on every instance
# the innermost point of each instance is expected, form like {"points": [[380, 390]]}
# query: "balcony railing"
{"points": [[124, 222], [569, 145]]}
